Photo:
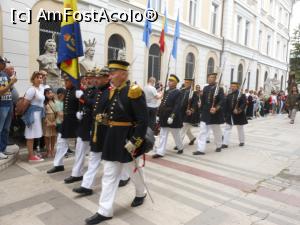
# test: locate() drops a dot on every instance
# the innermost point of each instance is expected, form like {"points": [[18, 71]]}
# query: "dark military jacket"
{"points": [[86, 107], [126, 104], [171, 107], [293, 101], [230, 104], [207, 103], [70, 123], [99, 129], [191, 104]]}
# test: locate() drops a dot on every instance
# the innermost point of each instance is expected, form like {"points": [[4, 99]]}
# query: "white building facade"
{"points": [[250, 36]]}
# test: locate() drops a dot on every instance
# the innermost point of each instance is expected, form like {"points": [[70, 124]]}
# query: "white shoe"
{"points": [[3, 156]]}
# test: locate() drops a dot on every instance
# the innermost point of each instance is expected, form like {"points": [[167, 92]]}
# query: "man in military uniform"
{"points": [[235, 114], [189, 107], [98, 132], [84, 116], [68, 128], [170, 118], [212, 115], [124, 139]]}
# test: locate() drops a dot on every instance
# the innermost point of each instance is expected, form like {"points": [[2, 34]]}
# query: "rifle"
{"points": [[218, 85], [240, 94]]}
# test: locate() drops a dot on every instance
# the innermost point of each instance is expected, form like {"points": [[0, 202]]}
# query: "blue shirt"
{"points": [[6, 98]]}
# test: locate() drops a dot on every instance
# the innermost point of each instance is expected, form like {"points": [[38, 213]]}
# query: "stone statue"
{"points": [[88, 63], [48, 63], [271, 85], [121, 55]]}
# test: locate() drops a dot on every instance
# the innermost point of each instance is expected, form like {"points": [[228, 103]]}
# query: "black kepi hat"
{"points": [[173, 77], [118, 65]]}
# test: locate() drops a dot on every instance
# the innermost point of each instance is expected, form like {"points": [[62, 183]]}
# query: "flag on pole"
{"points": [[176, 36], [70, 45], [163, 32], [147, 29]]}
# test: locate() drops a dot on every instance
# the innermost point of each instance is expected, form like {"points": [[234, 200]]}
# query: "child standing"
{"points": [[49, 122], [59, 106]]}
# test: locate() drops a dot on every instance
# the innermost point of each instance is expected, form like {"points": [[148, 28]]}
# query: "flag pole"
{"points": [[168, 70]]}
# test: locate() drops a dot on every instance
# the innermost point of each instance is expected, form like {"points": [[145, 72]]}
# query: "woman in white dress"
{"points": [[34, 114]]}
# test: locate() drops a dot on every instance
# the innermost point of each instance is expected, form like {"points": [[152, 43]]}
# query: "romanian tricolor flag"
{"points": [[70, 44], [163, 31]]}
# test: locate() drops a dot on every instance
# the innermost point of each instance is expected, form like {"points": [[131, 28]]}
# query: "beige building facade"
{"points": [[250, 36]]}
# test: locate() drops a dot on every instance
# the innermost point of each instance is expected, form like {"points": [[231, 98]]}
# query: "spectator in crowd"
{"points": [[49, 123], [261, 91], [255, 102], [250, 104], [247, 93], [152, 100], [159, 86], [273, 102], [281, 101], [6, 106], [293, 103], [198, 93], [39, 143], [59, 106], [10, 71], [34, 114]]}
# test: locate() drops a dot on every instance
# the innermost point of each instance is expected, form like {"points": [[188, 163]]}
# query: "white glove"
{"points": [[130, 147], [79, 115], [79, 93], [170, 120]]}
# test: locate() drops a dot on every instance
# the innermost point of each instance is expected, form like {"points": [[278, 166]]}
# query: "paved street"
{"points": [[258, 184]]}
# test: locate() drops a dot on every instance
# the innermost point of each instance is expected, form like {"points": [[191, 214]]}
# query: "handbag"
{"points": [[22, 105]]}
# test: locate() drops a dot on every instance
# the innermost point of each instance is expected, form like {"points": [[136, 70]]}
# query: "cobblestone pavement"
{"points": [[258, 184]]}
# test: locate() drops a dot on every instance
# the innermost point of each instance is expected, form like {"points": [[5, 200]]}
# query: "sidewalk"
{"points": [[258, 184]]}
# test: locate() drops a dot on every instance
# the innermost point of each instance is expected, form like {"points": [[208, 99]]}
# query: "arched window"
{"points": [[281, 83], [48, 30], [210, 65], [266, 76], [115, 43], [240, 73], [189, 65], [275, 76], [154, 62], [257, 78]]}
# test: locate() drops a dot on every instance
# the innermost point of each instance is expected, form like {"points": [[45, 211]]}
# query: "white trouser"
{"points": [[110, 183], [186, 130], [81, 148], [125, 173], [204, 130], [293, 113], [227, 133], [94, 164], [208, 134], [62, 146], [163, 137]]}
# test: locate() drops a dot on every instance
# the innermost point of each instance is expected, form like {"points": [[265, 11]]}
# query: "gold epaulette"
{"points": [[135, 91]]}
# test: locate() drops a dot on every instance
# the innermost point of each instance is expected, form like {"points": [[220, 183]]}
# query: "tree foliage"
{"points": [[295, 54]]}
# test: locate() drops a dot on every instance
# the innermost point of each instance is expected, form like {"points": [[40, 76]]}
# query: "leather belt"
{"points": [[119, 124]]}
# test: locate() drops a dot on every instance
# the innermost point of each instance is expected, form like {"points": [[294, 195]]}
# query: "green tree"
{"points": [[295, 54]]}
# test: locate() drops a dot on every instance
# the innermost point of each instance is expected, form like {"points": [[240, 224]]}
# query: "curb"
{"points": [[5, 163]]}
